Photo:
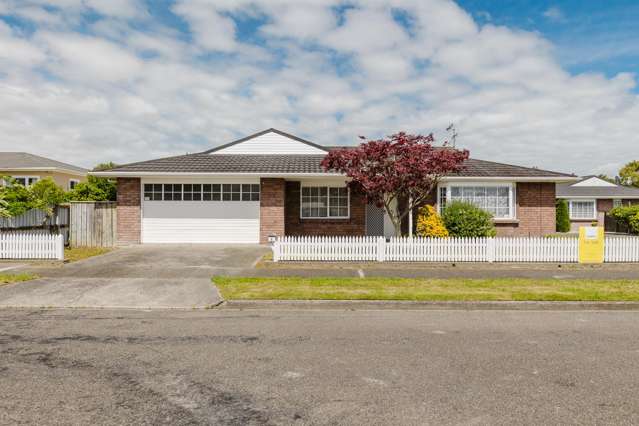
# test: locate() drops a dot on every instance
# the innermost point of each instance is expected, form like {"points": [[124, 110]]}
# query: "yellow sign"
{"points": [[591, 244]]}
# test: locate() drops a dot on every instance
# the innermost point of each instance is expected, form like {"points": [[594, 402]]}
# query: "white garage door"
{"points": [[200, 213]]}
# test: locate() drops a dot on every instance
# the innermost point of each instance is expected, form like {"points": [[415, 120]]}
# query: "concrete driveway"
{"points": [[146, 276]]}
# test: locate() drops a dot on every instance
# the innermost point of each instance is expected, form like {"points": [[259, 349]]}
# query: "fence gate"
{"points": [[93, 224]]}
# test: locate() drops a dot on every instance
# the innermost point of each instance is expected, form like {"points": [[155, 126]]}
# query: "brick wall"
{"points": [[535, 211], [272, 204], [128, 207], [355, 225]]}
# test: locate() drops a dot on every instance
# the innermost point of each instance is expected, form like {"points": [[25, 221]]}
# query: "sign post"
{"points": [[591, 244]]}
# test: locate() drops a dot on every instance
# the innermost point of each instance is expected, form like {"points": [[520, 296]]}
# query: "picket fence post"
{"points": [[490, 250], [59, 240], [275, 247], [381, 249]]}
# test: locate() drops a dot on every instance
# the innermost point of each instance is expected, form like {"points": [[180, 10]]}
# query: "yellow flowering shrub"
{"points": [[429, 223]]}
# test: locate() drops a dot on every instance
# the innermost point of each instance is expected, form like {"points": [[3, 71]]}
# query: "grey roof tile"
{"points": [[567, 191], [20, 160]]}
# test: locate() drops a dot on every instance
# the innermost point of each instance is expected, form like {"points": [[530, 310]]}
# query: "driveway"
{"points": [[146, 276]]}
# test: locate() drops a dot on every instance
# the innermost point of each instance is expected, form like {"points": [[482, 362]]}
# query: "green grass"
{"points": [[502, 289], [79, 253], [15, 278]]}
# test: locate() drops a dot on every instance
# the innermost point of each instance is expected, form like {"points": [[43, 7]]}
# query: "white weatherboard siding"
{"points": [[595, 182], [270, 143], [201, 222]]}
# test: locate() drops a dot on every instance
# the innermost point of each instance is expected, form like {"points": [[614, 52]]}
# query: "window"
{"points": [[201, 192], [73, 183], [26, 180], [324, 202], [231, 192], [250, 192], [172, 191], [495, 199], [617, 202], [582, 209]]}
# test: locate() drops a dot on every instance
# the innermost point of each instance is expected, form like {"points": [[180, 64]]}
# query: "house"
{"points": [[590, 198], [27, 169], [271, 183]]}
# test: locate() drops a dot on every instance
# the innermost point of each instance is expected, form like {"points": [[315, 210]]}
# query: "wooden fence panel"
{"points": [[93, 224]]}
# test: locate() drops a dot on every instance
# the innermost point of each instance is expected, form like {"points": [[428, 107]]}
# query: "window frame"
{"points": [[584, 200], [216, 192], [328, 202], [73, 183], [26, 179], [512, 195]]}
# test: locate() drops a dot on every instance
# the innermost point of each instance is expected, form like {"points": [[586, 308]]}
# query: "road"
{"points": [[318, 367]]}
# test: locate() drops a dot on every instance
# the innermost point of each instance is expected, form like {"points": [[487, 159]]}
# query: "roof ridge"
{"points": [[263, 132]]}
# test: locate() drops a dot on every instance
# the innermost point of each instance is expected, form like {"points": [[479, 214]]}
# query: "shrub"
{"points": [[467, 220], [562, 216], [94, 189], [628, 216], [430, 224]]}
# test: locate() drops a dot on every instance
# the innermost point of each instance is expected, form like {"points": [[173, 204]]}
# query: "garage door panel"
{"points": [[190, 230], [200, 222]]}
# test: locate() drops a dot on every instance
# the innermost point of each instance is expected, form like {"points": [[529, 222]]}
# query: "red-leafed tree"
{"points": [[397, 173]]}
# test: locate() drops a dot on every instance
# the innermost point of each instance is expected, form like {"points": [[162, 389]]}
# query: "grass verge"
{"points": [[79, 253], [15, 278], [454, 289]]}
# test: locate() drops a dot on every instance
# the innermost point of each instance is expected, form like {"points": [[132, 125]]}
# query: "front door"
{"points": [[377, 222]]}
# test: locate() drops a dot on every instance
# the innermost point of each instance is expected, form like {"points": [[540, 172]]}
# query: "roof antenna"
{"points": [[453, 133]]}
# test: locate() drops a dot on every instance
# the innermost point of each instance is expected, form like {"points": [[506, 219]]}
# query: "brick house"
{"points": [[271, 183], [591, 198]]}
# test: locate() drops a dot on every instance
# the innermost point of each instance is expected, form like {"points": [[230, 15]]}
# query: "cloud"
{"points": [[126, 85], [554, 14]]}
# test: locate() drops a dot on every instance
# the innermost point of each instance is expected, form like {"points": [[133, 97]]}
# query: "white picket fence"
{"points": [[523, 249], [31, 245]]}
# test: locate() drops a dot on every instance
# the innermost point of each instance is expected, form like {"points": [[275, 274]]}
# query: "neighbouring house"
{"points": [[591, 198], [27, 169], [271, 184]]}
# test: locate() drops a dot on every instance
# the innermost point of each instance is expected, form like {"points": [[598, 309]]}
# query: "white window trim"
{"points": [[512, 195], [328, 203], [77, 181], [26, 178], [586, 200]]}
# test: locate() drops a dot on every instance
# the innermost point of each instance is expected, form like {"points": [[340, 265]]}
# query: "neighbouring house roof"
{"points": [[215, 162], [579, 190], [30, 162]]}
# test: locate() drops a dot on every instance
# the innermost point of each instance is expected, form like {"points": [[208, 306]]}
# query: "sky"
{"points": [[535, 83]]}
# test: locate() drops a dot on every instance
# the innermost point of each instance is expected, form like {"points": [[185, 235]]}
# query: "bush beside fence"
{"points": [[524, 249]]}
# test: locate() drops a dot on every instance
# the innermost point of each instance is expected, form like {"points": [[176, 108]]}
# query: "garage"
{"points": [[181, 211]]}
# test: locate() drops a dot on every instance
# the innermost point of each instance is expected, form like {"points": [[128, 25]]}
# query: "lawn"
{"points": [[454, 289], [15, 278], [79, 253]]}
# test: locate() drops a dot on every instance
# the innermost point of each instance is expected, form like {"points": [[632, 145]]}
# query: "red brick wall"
{"points": [[272, 203], [355, 225], [535, 211], [128, 208]]}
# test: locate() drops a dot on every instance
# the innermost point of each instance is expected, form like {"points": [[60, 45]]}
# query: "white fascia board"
{"points": [[507, 179], [596, 197], [155, 174], [44, 169]]}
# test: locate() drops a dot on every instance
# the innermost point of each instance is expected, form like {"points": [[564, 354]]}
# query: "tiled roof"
{"points": [[236, 163], [567, 191], [24, 160]]}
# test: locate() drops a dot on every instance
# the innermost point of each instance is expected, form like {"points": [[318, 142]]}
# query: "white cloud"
{"points": [[126, 92]]}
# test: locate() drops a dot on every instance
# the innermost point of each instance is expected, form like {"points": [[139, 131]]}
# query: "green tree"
{"points": [[630, 173], [4, 211], [17, 197], [95, 188], [562, 216], [467, 220]]}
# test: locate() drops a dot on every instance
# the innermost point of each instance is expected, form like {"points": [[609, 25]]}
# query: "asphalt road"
{"points": [[318, 367]]}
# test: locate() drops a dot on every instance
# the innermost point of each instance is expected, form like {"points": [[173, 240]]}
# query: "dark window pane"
{"points": [[197, 196], [157, 196], [157, 187], [177, 187], [235, 196], [255, 196], [255, 188], [226, 187], [206, 187], [216, 187], [177, 196], [235, 187], [322, 191], [246, 196], [187, 196], [168, 196], [206, 196], [246, 188], [226, 196], [188, 187], [197, 187], [306, 192], [215, 196], [148, 187]]}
